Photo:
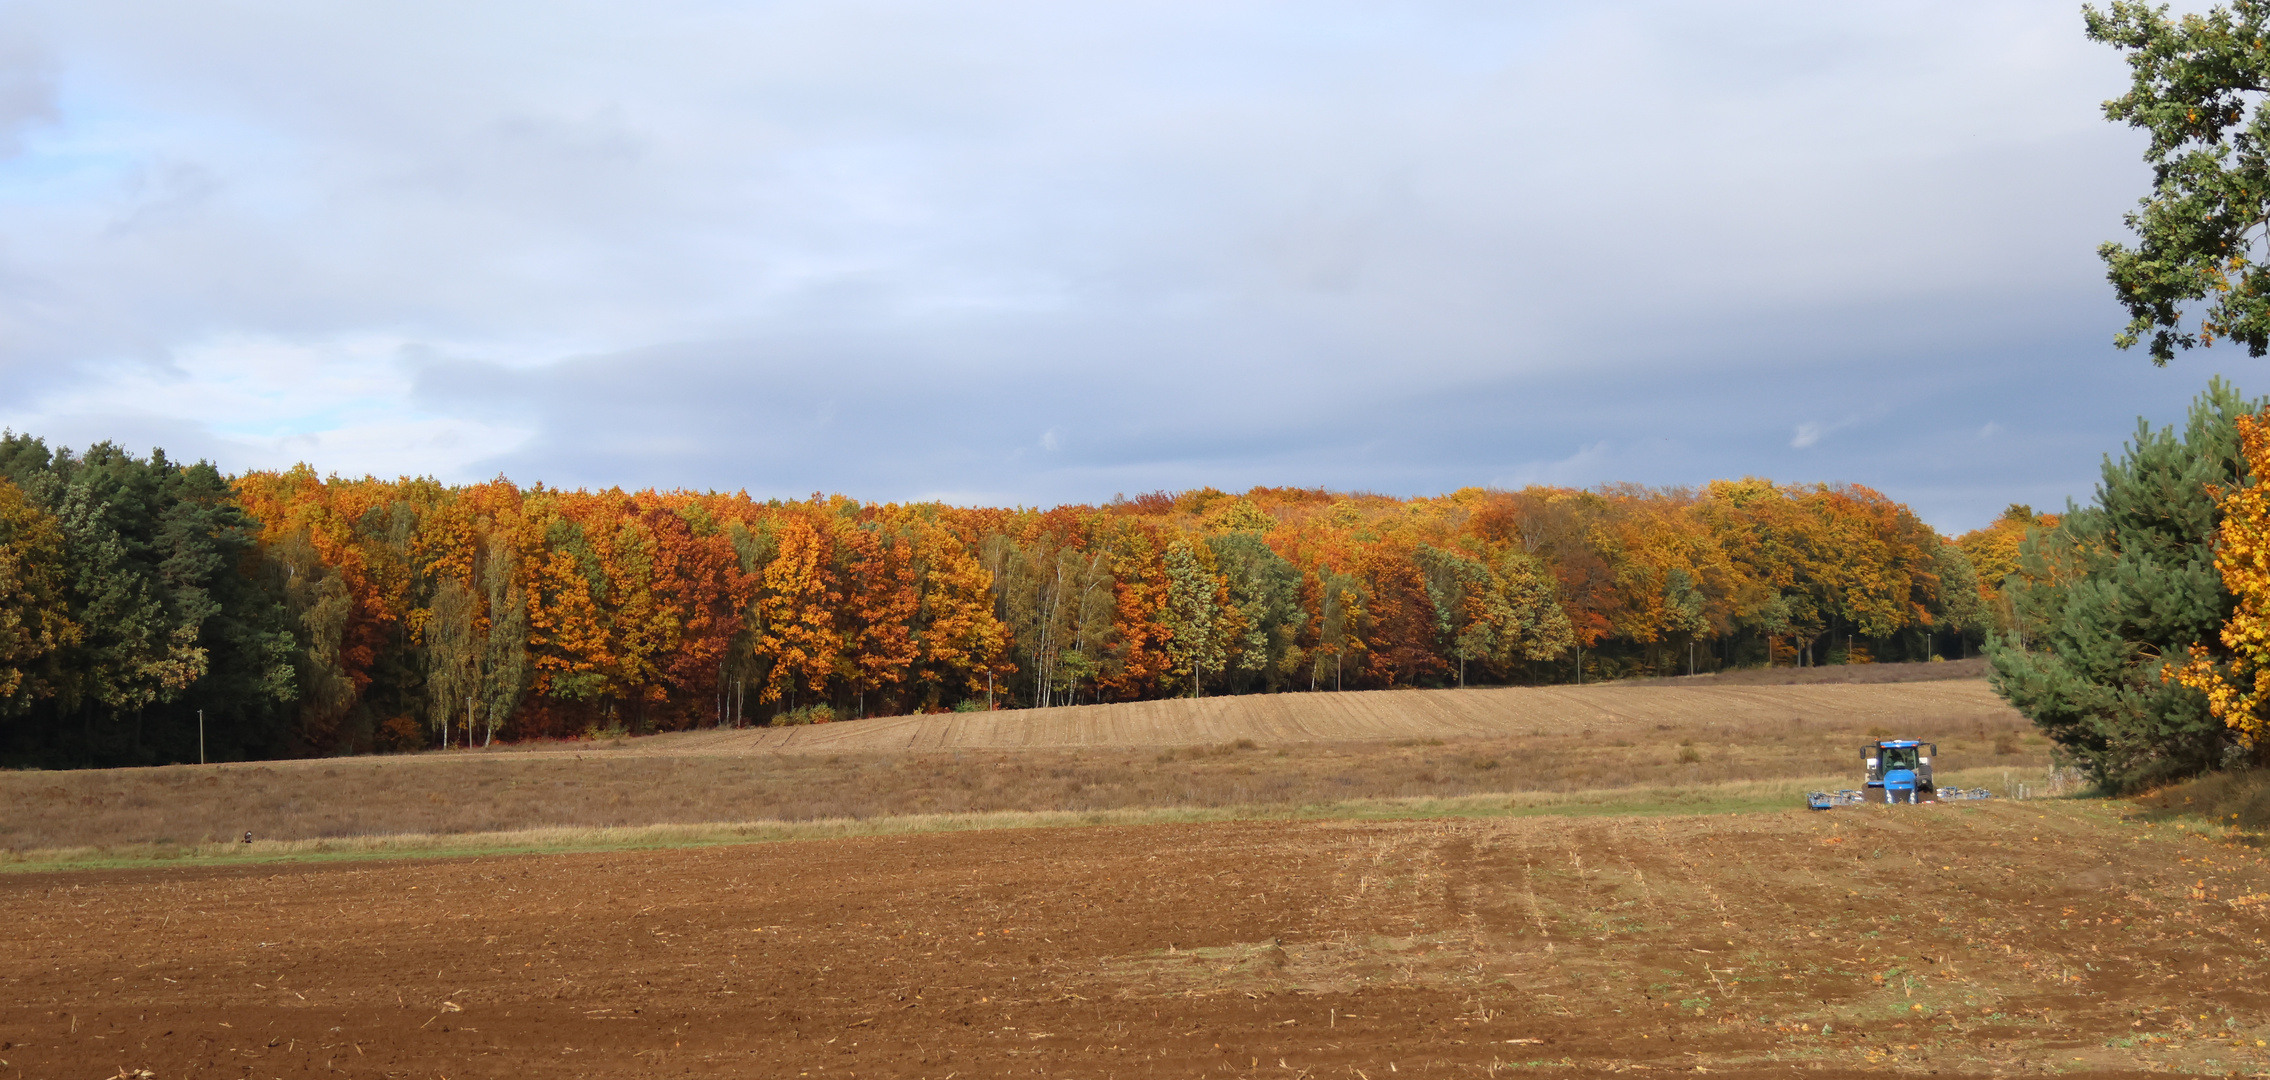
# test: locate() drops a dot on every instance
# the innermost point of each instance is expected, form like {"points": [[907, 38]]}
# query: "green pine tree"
{"points": [[2116, 591]]}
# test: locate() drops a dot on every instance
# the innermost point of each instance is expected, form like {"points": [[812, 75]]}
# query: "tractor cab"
{"points": [[1901, 768]]}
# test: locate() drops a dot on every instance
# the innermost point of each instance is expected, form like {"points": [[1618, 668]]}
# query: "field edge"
{"points": [[1683, 800]]}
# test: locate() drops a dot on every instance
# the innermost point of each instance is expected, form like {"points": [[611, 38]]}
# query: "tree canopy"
{"points": [[2203, 230], [308, 614]]}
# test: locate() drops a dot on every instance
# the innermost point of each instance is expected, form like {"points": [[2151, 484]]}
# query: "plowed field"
{"points": [[1961, 938]]}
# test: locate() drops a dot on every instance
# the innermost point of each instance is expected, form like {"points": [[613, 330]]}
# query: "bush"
{"points": [[403, 733], [809, 714]]}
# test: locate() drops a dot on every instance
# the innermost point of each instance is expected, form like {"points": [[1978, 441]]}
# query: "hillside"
{"points": [[1279, 719], [1284, 750]]}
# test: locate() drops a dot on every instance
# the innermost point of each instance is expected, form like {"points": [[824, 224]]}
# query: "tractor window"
{"points": [[1899, 757]]}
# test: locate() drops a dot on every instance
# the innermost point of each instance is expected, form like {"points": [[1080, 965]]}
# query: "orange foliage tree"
{"points": [[431, 614]]}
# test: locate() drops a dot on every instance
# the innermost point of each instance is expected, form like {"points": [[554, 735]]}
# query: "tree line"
{"points": [[301, 614]]}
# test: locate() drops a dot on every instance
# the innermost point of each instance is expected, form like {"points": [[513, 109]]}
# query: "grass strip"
{"points": [[1740, 797]]}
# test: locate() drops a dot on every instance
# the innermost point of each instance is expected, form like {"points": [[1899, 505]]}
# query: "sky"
{"points": [[1026, 253]]}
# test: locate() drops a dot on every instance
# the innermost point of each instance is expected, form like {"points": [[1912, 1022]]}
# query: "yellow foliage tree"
{"points": [[2237, 684], [797, 636], [960, 639], [35, 622]]}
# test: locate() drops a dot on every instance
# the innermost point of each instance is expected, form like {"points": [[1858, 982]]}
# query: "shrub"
{"points": [[809, 714]]}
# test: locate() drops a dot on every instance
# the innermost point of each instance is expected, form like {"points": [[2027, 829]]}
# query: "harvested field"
{"points": [[1979, 939], [1872, 674], [1182, 754], [1606, 710]]}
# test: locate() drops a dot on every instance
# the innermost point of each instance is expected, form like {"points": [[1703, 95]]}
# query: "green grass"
{"points": [[1748, 797]]}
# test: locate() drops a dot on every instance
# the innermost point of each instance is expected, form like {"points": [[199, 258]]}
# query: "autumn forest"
{"points": [[298, 614]]}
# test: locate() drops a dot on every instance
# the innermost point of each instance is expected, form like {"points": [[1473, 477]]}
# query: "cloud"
{"points": [[875, 245], [1811, 432], [1583, 466], [27, 88], [266, 403]]}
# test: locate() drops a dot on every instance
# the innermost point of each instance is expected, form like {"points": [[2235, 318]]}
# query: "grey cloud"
{"points": [[888, 247], [27, 88], [896, 418]]}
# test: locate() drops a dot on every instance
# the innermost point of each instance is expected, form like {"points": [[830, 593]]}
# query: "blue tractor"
{"points": [[1902, 768]]}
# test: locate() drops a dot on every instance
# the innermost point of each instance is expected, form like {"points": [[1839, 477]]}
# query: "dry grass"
{"points": [[1889, 695], [2238, 800], [463, 793], [1835, 674]]}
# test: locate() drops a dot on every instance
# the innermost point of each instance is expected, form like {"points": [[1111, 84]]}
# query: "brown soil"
{"points": [[1961, 938], [1452, 743]]}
